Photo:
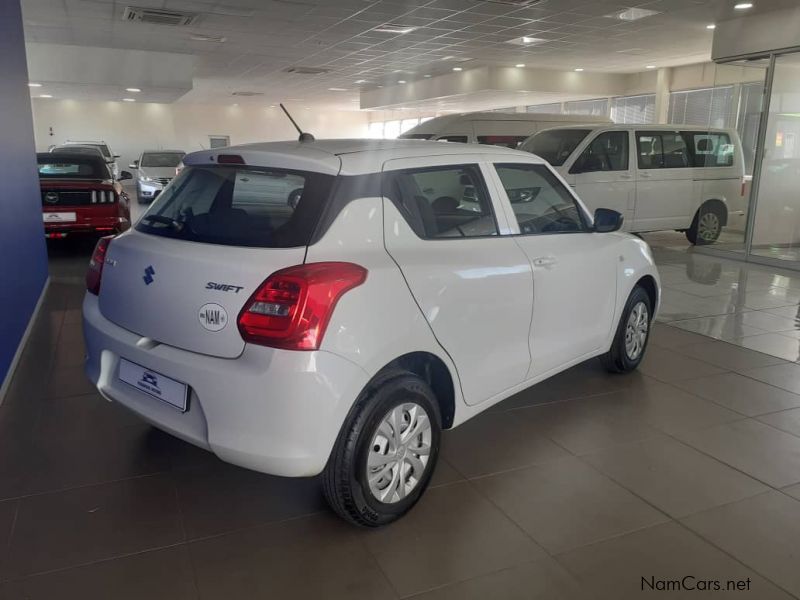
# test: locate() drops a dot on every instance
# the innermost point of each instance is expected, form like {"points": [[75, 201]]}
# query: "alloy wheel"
{"points": [[636, 331]]}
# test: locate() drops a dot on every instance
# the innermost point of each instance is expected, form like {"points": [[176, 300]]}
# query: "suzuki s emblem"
{"points": [[51, 197], [148, 275], [213, 317]]}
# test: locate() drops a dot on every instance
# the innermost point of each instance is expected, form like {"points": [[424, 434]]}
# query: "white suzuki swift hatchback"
{"points": [[329, 307]]}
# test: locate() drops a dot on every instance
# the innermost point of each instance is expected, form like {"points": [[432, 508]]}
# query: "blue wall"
{"points": [[23, 254]]}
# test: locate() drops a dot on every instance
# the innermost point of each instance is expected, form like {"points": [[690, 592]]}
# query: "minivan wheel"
{"points": [[706, 226], [386, 451], [633, 332]]}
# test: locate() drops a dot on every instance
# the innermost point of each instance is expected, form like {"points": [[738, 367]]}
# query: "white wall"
{"points": [[130, 128]]}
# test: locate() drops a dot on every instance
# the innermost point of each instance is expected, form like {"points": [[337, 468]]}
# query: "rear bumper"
{"points": [[93, 225], [273, 411]]}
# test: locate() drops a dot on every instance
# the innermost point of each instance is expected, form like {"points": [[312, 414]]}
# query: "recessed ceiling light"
{"points": [[526, 40], [34, 85], [457, 69], [45, 96], [394, 28], [633, 14], [133, 100], [520, 65], [361, 81], [426, 76], [579, 69], [650, 67], [743, 5], [401, 81], [272, 106], [337, 89], [134, 90], [711, 26]]}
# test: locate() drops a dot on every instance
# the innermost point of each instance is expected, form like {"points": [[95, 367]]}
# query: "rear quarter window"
{"points": [[239, 206]]}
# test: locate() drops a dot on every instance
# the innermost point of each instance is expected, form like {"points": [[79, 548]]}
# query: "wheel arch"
{"points": [[649, 285], [719, 206]]}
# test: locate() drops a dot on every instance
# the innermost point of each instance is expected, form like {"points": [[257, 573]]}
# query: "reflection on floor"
{"points": [[586, 486]]}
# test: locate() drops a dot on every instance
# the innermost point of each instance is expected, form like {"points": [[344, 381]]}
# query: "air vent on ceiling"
{"points": [[157, 16], [247, 94], [305, 70]]}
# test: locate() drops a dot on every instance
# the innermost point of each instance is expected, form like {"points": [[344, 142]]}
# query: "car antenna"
{"points": [[304, 137]]}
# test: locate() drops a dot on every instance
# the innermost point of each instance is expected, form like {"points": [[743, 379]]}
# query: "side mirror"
{"points": [[123, 175], [607, 220], [116, 156], [134, 165]]}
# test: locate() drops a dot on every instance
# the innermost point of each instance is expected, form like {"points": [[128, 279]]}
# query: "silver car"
{"points": [[154, 170]]}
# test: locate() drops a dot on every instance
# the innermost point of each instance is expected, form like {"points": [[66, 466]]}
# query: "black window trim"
{"points": [[691, 146], [627, 133], [584, 217], [414, 221]]}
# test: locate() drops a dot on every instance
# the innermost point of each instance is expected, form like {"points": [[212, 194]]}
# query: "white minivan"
{"points": [[338, 330], [659, 177], [496, 129]]}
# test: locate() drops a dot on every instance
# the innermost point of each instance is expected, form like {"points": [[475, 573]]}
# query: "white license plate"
{"points": [[154, 384], [59, 217]]}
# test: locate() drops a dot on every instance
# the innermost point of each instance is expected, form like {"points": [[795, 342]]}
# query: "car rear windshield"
{"points": [[161, 159], [54, 166], [90, 150], [554, 145], [239, 206]]}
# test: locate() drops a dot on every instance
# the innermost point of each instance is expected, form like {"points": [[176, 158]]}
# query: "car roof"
{"points": [[84, 142], [163, 151], [641, 127], [350, 156]]}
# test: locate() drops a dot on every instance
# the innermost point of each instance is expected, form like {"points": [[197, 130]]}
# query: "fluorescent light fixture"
{"points": [[201, 37], [134, 100], [361, 81], [579, 69], [401, 81], [394, 28], [526, 40], [337, 89], [45, 96], [743, 5], [448, 57], [426, 76], [457, 69], [34, 85], [650, 67], [520, 65], [711, 26], [134, 90], [633, 14]]}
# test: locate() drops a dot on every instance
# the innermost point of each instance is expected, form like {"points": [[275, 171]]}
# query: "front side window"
{"points": [[607, 152], [554, 145], [662, 150], [239, 206], [540, 201], [443, 202]]}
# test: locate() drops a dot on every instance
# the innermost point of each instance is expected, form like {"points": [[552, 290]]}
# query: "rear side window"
{"points": [[506, 141], [710, 149], [555, 145], [461, 139], [443, 202], [239, 206], [662, 150], [607, 152]]}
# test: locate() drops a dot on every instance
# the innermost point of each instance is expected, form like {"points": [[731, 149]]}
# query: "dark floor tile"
{"points": [[674, 477], [566, 504], [494, 442], [743, 394], [670, 365], [68, 381], [452, 534], [671, 338], [163, 573], [759, 450], [729, 356], [445, 474], [79, 417], [313, 557], [540, 580], [8, 514], [618, 568], [223, 498], [786, 377], [787, 420], [34, 464], [763, 532], [793, 491], [71, 528]]}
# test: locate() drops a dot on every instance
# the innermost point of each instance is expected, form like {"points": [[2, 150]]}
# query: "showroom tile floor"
{"points": [[577, 488]]}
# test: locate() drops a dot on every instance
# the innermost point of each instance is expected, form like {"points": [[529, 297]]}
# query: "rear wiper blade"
{"points": [[176, 225]]}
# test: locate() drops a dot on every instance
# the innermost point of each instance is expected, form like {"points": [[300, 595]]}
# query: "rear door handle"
{"points": [[544, 261]]}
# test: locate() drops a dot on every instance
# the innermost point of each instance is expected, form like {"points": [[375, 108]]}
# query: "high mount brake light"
{"points": [[230, 159], [292, 308], [95, 271]]}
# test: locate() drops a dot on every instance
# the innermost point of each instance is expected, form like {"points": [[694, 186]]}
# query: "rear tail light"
{"points": [[95, 271], [292, 308], [103, 196]]}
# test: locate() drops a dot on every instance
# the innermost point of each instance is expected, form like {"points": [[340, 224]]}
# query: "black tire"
{"points": [[693, 234], [345, 483], [617, 359]]}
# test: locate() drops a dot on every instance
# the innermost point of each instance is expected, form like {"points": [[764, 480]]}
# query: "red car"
{"points": [[80, 196]]}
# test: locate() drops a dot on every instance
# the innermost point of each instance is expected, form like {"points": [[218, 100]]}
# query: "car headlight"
{"points": [[147, 179]]}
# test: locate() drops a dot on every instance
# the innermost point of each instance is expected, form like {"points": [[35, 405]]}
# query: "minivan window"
{"points": [[443, 202], [555, 145], [662, 150], [710, 149], [505, 141], [607, 152], [540, 201], [239, 206]]}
